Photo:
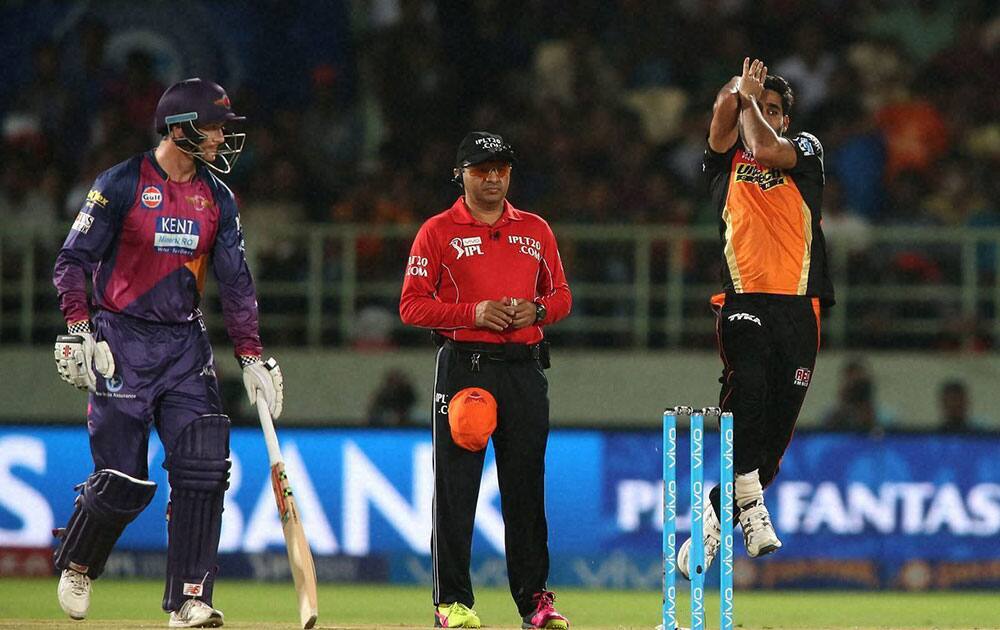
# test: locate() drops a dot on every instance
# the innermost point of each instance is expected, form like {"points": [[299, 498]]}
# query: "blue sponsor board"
{"points": [[908, 511]]}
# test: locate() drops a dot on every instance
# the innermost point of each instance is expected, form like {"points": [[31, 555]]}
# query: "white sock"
{"points": [[748, 489], [711, 520]]}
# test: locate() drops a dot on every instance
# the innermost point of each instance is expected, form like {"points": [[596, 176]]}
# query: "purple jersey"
{"points": [[148, 243]]}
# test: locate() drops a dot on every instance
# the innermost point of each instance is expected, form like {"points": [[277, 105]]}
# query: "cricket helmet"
{"points": [[194, 103]]}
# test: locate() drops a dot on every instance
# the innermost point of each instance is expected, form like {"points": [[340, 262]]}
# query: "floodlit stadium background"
{"points": [[355, 110]]}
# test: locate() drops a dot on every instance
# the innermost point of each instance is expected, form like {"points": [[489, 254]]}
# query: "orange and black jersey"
{"points": [[770, 221]]}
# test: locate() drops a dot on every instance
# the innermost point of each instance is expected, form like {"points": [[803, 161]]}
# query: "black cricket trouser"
{"points": [[768, 344], [521, 391]]}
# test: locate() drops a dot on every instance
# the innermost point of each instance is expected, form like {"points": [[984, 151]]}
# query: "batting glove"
{"points": [[77, 355], [264, 377]]}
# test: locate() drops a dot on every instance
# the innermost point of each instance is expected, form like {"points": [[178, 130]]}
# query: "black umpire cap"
{"points": [[483, 146]]}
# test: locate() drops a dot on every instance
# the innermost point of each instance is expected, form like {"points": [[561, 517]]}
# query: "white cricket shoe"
{"points": [[74, 593], [713, 538], [195, 613], [759, 537]]}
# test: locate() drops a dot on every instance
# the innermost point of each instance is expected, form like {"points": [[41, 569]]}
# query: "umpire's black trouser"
{"points": [[521, 391], [768, 345]]}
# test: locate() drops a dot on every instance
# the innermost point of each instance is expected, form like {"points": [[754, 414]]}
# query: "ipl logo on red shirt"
{"points": [[467, 246], [152, 197]]}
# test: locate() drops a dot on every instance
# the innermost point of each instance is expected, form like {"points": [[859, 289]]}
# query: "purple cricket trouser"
{"points": [[164, 375]]}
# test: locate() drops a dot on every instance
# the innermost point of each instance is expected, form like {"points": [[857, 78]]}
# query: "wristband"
{"points": [[248, 359], [79, 328]]}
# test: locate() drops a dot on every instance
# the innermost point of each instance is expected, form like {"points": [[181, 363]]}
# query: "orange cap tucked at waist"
{"points": [[472, 417]]}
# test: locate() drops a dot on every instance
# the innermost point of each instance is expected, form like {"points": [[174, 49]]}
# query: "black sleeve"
{"points": [[810, 154], [714, 164]]}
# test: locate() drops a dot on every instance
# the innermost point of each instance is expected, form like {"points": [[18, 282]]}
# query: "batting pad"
{"points": [[109, 501], [198, 469]]}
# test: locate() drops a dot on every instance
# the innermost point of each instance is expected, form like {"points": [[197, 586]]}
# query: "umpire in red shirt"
{"points": [[487, 277]]}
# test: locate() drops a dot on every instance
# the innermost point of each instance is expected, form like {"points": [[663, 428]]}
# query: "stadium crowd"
{"points": [[606, 103]]}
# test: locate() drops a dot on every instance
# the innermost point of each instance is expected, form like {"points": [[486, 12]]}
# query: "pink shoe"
{"points": [[545, 615]]}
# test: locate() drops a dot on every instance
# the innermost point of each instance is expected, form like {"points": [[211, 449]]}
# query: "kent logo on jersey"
{"points": [[176, 236]]}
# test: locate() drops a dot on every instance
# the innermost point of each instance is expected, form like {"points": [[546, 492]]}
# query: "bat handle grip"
{"points": [[267, 426]]}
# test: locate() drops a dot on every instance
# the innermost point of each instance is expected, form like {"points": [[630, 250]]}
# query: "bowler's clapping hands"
{"points": [[752, 79]]}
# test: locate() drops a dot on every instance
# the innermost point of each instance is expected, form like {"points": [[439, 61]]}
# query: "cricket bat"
{"points": [[299, 556]]}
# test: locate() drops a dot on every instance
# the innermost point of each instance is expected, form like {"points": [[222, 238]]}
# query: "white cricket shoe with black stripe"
{"points": [[195, 613], [759, 536], [712, 540], [74, 593]]}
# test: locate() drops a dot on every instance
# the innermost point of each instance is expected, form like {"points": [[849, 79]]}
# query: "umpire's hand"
{"points": [[493, 315], [524, 312]]}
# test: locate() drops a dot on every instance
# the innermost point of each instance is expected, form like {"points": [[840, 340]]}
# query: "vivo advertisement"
{"points": [[904, 511]]}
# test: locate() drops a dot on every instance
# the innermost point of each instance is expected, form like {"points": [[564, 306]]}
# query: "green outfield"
{"points": [[31, 603]]}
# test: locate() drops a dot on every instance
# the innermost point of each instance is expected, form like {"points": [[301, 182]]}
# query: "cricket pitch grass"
{"points": [[31, 603]]}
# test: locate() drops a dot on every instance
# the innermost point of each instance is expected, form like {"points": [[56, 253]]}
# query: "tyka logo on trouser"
{"points": [[745, 317]]}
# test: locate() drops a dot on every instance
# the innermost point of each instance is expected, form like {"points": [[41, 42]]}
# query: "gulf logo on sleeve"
{"points": [[152, 197]]}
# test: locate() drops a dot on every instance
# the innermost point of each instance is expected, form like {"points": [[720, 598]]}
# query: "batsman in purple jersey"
{"points": [[148, 233]]}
